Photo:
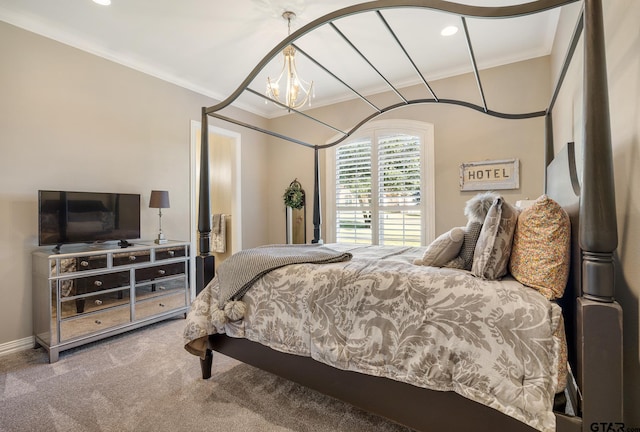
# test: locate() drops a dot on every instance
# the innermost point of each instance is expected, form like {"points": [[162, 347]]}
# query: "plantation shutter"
{"points": [[378, 190], [399, 210], [353, 192]]}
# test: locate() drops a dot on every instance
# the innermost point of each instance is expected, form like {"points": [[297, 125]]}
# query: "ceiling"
{"points": [[210, 46]]}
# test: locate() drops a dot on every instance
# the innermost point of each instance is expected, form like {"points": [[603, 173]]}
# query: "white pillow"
{"points": [[443, 249]]}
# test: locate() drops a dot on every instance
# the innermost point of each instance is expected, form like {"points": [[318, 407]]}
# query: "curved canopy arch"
{"points": [[379, 8]]}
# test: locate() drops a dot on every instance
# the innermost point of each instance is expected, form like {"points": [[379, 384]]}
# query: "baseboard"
{"points": [[17, 345]]}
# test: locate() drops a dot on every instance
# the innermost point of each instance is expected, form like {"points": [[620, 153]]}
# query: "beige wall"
{"points": [[461, 135], [73, 121], [622, 37]]}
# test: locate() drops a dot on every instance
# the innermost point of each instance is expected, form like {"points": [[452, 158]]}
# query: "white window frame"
{"points": [[427, 161]]}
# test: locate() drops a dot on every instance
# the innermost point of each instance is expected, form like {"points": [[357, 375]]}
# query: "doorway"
{"points": [[225, 187]]}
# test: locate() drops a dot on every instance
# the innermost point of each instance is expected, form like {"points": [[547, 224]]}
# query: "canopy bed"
{"points": [[592, 318]]}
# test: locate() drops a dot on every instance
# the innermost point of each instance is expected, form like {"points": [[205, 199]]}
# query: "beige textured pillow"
{"points": [[542, 247], [493, 250], [443, 249]]}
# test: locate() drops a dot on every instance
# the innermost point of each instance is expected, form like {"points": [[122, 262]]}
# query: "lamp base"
{"points": [[161, 239]]}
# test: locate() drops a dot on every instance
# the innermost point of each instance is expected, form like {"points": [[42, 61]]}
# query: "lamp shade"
{"points": [[159, 199]]}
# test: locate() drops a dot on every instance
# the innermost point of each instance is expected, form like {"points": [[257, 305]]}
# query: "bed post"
{"points": [[599, 316], [204, 260], [317, 219], [548, 143]]}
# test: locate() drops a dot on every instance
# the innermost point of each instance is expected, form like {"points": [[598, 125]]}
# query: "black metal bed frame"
{"points": [[594, 319]]}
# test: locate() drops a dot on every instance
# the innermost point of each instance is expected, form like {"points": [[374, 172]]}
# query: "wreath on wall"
{"points": [[294, 195]]}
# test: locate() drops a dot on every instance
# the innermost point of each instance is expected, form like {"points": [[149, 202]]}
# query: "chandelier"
{"points": [[297, 92]]}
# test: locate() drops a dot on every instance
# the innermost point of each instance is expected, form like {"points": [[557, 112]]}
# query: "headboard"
{"points": [[562, 186]]}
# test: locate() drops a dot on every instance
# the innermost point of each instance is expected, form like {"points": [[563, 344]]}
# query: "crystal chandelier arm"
{"points": [[296, 92]]}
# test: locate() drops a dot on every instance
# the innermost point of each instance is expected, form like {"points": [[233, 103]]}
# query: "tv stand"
{"points": [[85, 294]]}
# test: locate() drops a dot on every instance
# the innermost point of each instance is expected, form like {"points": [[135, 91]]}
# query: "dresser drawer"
{"points": [[64, 266], [168, 253], [94, 303], [160, 271], [159, 305], [160, 288], [93, 323], [92, 262], [102, 282], [126, 258]]}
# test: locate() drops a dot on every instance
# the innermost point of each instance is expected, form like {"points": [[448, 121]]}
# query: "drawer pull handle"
{"points": [[98, 302], [98, 322], [97, 283], [172, 253], [132, 258], [84, 263], [161, 304], [161, 272]]}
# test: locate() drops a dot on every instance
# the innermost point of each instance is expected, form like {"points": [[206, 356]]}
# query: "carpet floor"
{"points": [[144, 380]]}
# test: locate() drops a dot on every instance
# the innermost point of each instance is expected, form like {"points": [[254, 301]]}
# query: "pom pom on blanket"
{"points": [[234, 310], [218, 317]]}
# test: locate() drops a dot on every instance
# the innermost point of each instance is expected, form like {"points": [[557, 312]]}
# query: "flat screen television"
{"points": [[87, 217]]}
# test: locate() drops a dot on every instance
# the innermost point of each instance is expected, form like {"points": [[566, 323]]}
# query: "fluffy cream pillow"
{"points": [[541, 248], [475, 210], [443, 249], [493, 250]]}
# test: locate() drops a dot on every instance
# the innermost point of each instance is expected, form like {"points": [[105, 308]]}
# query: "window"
{"points": [[380, 186]]}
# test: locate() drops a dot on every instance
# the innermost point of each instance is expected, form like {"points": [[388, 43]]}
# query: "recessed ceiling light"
{"points": [[103, 2], [447, 31]]}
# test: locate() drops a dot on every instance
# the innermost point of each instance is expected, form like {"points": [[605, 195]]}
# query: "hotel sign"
{"points": [[490, 175]]}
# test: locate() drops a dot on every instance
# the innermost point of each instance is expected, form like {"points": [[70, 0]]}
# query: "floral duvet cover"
{"points": [[498, 343]]}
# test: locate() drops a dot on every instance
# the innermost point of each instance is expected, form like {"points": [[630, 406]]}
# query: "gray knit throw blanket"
{"points": [[240, 271]]}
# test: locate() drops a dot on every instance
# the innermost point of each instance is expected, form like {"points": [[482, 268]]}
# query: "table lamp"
{"points": [[159, 200]]}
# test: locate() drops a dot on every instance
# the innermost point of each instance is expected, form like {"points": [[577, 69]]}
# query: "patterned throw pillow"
{"points": [[493, 250], [465, 258], [542, 248], [443, 249]]}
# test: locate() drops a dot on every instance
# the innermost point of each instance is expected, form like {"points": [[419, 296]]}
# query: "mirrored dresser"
{"points": [[86, 293]]}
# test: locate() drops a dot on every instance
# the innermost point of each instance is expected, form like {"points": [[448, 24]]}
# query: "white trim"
{"points": [[330, 195], [17, 345], [426, 132], [236, 196]]}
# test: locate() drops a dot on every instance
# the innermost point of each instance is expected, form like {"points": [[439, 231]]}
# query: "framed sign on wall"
{"points": [[490, 175]]}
